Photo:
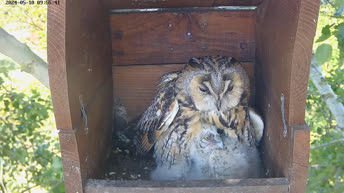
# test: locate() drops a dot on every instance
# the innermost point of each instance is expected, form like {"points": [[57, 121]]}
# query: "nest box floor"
{"points": [[125, 164]]}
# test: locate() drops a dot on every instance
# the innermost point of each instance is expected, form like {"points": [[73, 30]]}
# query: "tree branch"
{"points": [[2, 185], [328, 143], [24, 56], [329, 97]]}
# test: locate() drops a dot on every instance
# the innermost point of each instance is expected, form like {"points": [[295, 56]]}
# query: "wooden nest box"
{"points": [[98, 50]]}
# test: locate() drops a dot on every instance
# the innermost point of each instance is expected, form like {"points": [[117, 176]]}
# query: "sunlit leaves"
{"points": [[28, 149], [28, 24], [326, 167], [323, 53], [325, 33], [339, 3]]}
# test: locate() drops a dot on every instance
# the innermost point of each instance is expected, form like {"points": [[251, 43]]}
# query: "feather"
{"points": [[156, 119], [257, 123]]}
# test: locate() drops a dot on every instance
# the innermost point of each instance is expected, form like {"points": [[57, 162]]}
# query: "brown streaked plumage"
{"points": [[209, 91]]}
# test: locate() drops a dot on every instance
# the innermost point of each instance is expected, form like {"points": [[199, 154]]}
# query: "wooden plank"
{"points": [[273, 71], [167, 37], [300, 158], [79, 57], [70, 160], [57, 65], [136, 86], [275, 148], [282, 68], [267, 185], [135, 4], [305, 32]]}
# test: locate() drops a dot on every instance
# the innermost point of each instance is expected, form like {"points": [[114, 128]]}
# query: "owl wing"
{"points": [[257, 123], [158, 117]]}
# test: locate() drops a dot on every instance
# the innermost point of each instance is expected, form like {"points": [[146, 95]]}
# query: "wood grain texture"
{"points": [[285, 32], [57, 65], [136, 86], [305, 33], [136, 4], [271, 185], [71, 161], [160, 38], [300, 156], [80, 73]]}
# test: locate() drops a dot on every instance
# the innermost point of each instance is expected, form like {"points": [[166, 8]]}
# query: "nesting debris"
{"points": [[126, 164]]}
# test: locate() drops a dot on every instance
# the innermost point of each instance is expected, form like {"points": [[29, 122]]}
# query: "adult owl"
{"points": [[209, 91]]}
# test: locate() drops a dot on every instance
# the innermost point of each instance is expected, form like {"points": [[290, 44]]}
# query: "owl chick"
{"points": [[236, 160], [219, 157], [209, 91], [202, 148], [120, 121], [203, 144]]}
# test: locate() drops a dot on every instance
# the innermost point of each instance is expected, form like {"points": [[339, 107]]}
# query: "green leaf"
{"points": [[1, 80], [323, 53], [325, 33], [339, 3], [340, 28], [7, 103], [57, 162]]}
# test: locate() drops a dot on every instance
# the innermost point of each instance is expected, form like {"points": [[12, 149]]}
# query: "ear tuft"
{"points": [[195, 63]]}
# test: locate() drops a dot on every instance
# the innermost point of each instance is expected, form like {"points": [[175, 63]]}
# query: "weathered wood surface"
{"points": [[136, 4], [167, 37], [57, 65], [300, 156], [267, 185], [79, 57], [285, 32], [71, 161], [302, 53], [136, 86]]}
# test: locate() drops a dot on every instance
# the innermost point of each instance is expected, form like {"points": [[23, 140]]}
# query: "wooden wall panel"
{"points": [[285, 32], [135, 4], [136, 86], [79, 57], [168, 37]]}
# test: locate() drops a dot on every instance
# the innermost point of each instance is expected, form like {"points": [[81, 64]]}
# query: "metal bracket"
{"points": [[285, 128], [83, 113]]}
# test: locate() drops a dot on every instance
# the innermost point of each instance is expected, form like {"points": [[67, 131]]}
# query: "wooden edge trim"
{"points": [[230, 185], [138, 4], [298, 169], [184, 9]]}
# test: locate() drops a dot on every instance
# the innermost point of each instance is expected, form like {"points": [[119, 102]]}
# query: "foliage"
{"points": [[28, 23], [326, 171], [30, 154], [30, 157]]}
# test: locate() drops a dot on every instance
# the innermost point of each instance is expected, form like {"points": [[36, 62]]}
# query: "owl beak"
{"points": [[218, 105]]}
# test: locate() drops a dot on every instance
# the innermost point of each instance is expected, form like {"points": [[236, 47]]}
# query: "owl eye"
{"points": [[230, 88], [207, 138], [206, 90]]}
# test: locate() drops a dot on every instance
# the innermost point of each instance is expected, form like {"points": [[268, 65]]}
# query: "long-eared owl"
{"points": [[209, 91]]}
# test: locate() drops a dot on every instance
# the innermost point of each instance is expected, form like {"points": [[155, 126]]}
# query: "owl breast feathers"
{"points": [[208, 91]]}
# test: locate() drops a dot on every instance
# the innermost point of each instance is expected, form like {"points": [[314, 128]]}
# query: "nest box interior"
{"points": [[98, 50]]}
